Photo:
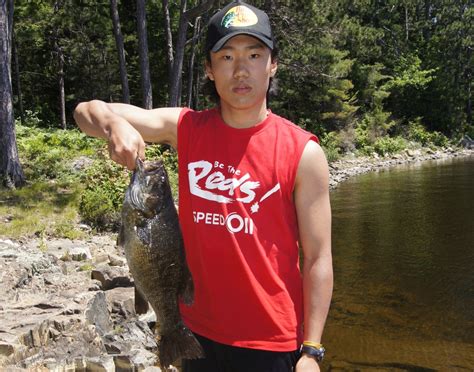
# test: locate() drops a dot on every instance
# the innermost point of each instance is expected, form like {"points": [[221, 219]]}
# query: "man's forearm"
{"points": [[317, 293]]}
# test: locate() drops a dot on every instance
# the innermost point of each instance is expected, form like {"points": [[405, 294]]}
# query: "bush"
{"points": [[418, 133], [106, 183], [389, 145], [362, 137], [330, 143], [439, 139], [45, 153], [102, 198]]}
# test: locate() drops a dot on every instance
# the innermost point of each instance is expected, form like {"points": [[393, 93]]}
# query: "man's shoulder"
{"points": [[194, 117]]}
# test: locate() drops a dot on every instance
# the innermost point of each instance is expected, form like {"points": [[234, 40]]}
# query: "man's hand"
{"points": [[307, 364], [125, 144]]}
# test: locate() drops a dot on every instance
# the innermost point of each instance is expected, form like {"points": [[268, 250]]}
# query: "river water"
{"points": [[403, 246]]}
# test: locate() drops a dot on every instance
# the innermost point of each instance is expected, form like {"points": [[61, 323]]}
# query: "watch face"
{"points": [[317, 353]]}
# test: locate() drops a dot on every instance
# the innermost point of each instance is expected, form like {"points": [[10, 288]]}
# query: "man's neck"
{"points": [[243, 118]]}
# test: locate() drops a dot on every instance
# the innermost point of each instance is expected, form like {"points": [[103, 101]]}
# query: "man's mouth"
{"points": [[242, 89]]}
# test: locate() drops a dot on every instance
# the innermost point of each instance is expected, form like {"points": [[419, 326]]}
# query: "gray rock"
{"points": [[115, 260], [81, 163], [84, 227], [141, 358], [101, 364], [121, 301], [98, 314], [112, 276], [80, 254], [6, 349], [155, 369], [123, 363]]}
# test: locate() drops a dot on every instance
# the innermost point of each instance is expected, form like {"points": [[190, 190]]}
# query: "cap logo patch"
{"points": [[239, 16]]}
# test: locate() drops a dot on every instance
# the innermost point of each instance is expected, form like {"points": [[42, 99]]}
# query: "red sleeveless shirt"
{"points": [[240, 230]]}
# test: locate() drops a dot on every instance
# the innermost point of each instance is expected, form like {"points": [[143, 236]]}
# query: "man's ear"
{"points": [[273, 68], [209, 73]]}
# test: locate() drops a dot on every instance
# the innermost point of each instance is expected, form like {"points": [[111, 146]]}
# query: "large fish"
{"points": [[151, 237]]}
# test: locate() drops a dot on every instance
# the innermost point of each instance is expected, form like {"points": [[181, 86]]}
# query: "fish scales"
{"points": [[151, 237]]}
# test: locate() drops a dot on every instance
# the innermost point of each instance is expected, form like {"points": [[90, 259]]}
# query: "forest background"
{"points": [[366, 76]]}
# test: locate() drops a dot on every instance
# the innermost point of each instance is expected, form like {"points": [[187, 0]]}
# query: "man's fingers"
{"points": [[125, 152], [141, 150], [131, 161], [122, 156]]}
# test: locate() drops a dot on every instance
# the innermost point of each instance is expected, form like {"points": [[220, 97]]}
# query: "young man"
{"points": [[251, 186]]}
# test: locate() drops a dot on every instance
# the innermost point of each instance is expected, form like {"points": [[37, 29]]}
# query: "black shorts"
{"points": [[225, 358]]}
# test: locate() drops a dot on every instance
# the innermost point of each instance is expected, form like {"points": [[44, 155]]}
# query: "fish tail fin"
{"points": [[179, 344]]}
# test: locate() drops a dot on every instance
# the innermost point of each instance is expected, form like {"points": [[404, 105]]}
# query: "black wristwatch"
{"points": [[316, 352]]}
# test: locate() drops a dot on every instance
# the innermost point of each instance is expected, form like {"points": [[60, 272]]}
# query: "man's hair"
{"points": [[209, 87]]}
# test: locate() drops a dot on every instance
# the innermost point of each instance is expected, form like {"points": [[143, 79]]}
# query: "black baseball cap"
{"points": [[235, 19]]}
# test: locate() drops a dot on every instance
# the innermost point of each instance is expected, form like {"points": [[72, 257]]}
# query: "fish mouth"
{"points": [[149, 167], [146, 190]]}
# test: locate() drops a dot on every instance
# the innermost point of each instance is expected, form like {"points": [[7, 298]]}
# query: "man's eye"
{"points": [[227, 58], [255, 55]]}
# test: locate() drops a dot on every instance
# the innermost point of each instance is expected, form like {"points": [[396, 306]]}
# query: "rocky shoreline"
{"points": [[350, 166], [68, 305]]}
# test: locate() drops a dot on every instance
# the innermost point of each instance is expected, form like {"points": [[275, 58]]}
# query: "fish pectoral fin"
{"points": [[141, 304], [186, 293], [144, 234]]}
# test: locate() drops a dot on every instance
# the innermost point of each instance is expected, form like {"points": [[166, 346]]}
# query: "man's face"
{"points": [[241, 71]]}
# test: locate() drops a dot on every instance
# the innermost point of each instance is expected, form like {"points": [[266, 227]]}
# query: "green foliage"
{"points": [[389, 145], [86, 267], [418, 133], [106, 182], [102, 198], [375, 124], [331, 145], [408, 73], [339, 60], [48, 153]]}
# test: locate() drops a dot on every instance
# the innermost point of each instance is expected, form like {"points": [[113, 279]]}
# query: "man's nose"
{"points": [[241, 69]]}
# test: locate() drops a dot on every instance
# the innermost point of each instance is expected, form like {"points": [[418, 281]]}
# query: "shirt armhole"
{"points": [[182, 138], [299, 154]]}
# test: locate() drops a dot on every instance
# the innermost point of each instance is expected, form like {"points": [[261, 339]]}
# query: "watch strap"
{"points": [[317, 353]]}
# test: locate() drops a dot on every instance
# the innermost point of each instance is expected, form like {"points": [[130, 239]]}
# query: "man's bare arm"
{"points": [[126, 127], [314, 222]]}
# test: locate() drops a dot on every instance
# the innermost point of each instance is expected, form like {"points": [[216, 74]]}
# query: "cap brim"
{"points": [[217, 46]]}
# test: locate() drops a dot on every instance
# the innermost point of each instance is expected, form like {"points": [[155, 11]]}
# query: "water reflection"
{"points": [[404, 269]]}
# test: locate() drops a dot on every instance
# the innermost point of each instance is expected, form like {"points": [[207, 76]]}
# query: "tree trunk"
{"points": [[120, 50], [11, 172], [197, 29], [169, 40], [468, 73], [62, 95], [186, 16], [174, 91], [18, 80], [407, 24], [143, 52]]}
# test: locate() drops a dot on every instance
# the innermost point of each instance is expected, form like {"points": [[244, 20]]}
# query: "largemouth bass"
{"points": [[151, 237]]}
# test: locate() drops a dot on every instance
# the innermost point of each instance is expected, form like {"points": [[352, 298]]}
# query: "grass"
{"points": [[41, 209]]}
